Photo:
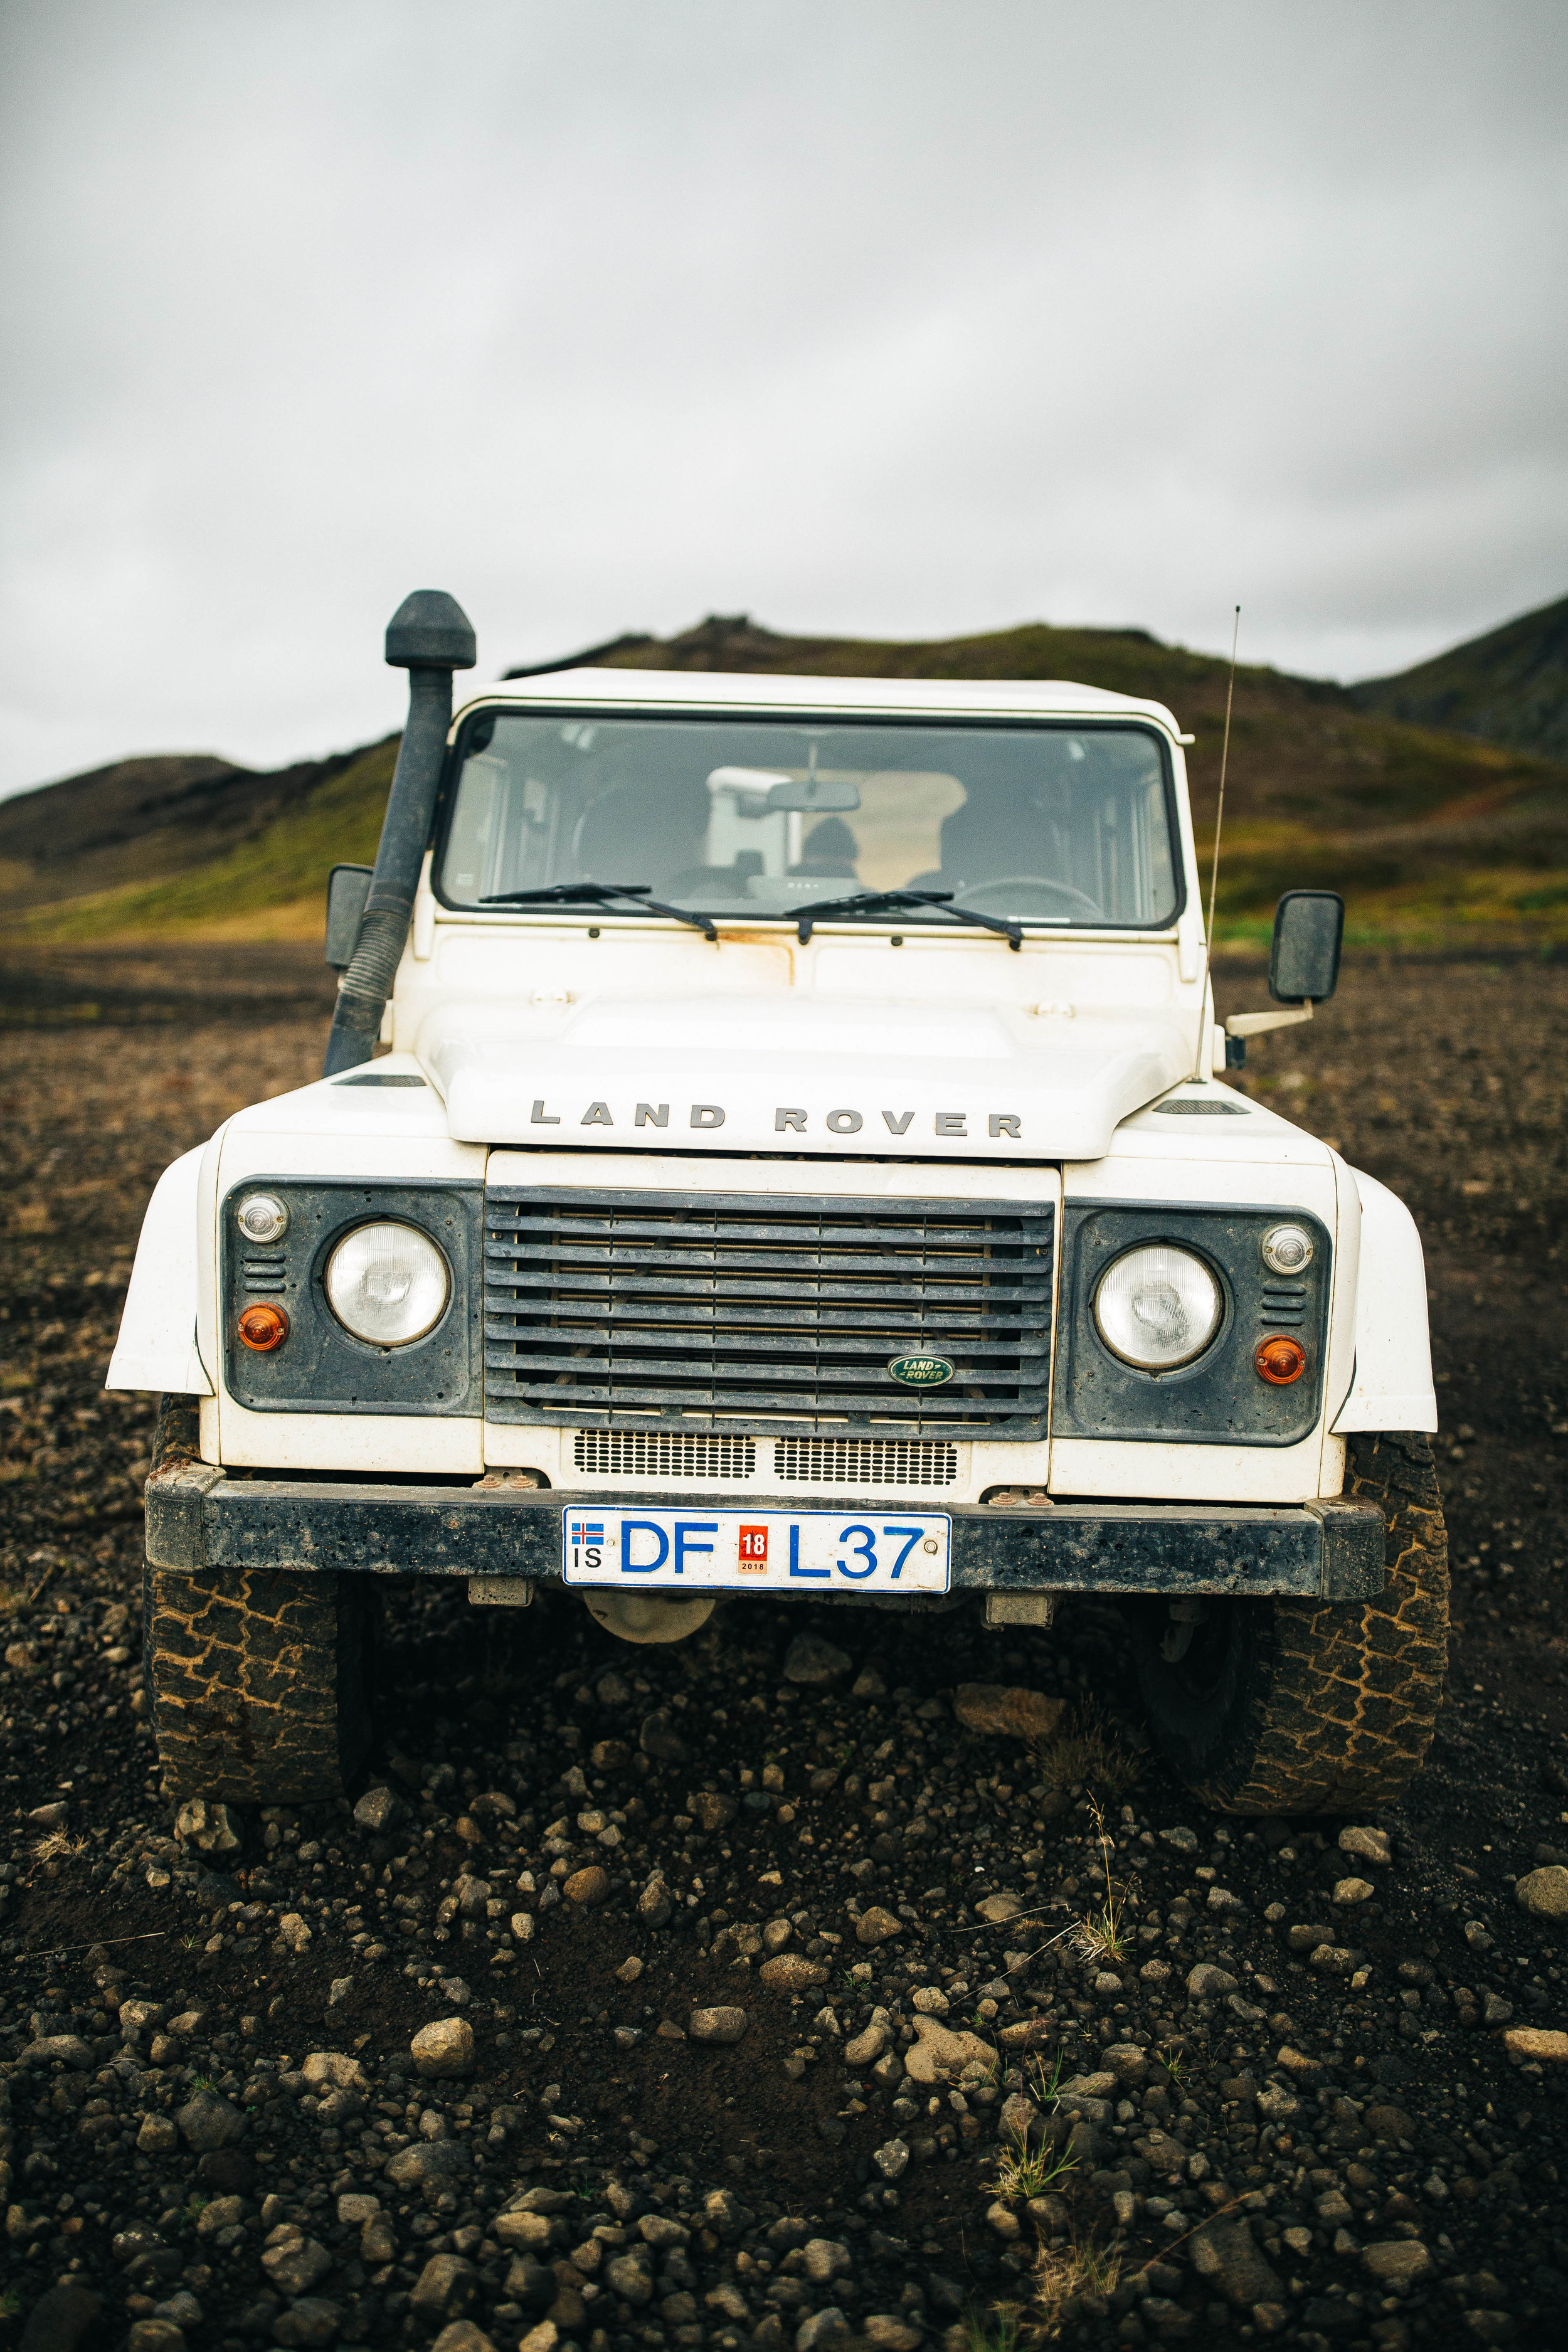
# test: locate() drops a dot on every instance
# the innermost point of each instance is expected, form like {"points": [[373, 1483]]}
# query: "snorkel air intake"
{"points": [[429, 636]]}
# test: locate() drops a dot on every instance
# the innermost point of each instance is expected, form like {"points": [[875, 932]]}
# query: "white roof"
{"points": [[699, 689]]}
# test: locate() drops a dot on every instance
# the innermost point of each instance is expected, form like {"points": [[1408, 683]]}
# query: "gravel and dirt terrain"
{"points": [[779, 1988]]}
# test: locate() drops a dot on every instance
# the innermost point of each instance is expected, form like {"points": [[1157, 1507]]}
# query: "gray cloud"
{"points": [[886, 317]]}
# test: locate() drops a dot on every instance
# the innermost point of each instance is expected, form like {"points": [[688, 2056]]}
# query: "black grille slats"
{"points": [[660, 1308]]}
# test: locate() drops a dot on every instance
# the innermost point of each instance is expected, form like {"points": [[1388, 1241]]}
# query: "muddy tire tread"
{"points": [[255, 1684], [1343, 1713], [255, 1676]]}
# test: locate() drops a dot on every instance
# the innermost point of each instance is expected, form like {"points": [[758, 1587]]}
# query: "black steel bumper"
{"points": [[198, 1517]]}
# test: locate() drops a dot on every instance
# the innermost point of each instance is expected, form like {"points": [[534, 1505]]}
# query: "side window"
{"points": [[469, 843]]}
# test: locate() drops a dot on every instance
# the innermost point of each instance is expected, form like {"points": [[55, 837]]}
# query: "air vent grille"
{"points": [[864, 1462], [649, 1454], [1283, 1302]]}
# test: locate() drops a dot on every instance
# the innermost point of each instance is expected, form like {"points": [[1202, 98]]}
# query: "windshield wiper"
{"points": [[598, 894], [869, 902]]}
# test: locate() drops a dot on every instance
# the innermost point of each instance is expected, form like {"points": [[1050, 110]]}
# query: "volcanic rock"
{"points": [[1008, 1710], [444, 2047], [810, 1659]]}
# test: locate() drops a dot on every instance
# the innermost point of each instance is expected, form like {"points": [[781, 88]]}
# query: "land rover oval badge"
{"points": [[919, 1372]]}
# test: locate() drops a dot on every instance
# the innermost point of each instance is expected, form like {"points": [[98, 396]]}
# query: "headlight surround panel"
{"points": [[1217, 1397], [323, 1367]]}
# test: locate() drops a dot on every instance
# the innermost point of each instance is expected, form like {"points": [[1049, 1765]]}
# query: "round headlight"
{"points": [[1287, 1249], [388, 1284], [1157, 1307], [261, 1218]]}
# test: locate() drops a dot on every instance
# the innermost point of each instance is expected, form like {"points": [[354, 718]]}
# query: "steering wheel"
{"points": [[982, 893]]}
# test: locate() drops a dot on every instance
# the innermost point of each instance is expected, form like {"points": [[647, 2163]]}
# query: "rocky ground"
{"points": [[781, 1986]]}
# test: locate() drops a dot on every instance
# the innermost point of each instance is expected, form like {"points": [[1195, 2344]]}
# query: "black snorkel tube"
{"points": [[429, 636]]}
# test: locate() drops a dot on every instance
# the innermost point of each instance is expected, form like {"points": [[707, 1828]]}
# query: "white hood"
{"points": [[767, 1072]]}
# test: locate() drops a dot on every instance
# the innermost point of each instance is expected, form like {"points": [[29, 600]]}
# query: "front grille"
{"points": [[648, 1453], [864, 1462], [648, 1308], [264, 1275]]}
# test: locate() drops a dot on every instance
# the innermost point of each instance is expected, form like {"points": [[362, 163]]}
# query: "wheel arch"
{"points": [[1391, 1383], [157, 1346]]}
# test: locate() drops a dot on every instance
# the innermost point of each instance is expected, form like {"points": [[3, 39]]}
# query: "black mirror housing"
{"points": [[348, 886], [1304, 961]]}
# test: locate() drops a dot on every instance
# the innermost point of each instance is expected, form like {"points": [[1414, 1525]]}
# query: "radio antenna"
{"points": [[1219, 821]]}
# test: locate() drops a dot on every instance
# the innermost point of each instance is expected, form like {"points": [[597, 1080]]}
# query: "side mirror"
{"points": [[1303, 967], [1304, 961], [348, 886]]}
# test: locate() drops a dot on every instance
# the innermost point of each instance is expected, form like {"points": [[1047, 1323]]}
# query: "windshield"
{"points": [[753, 817]]}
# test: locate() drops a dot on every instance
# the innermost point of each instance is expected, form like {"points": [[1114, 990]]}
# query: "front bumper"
{"points": [[199, 1517]]}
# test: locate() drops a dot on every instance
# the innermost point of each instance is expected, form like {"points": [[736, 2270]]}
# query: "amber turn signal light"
{"points": [[1279, 1362], [263, 1328]]}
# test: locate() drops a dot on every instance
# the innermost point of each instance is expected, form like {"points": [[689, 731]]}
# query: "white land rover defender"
{"points": [[801, 1167]]}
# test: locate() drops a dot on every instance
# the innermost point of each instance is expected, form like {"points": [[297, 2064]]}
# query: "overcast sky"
{"points": [[893, 317]]}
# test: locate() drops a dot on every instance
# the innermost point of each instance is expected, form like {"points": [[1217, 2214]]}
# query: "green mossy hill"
{"points": [[142, 820], [1511, 685], [271, 885]]}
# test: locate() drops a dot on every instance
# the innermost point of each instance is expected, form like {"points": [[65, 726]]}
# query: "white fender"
{"points": [[157, 1344], [1391, 1387]]}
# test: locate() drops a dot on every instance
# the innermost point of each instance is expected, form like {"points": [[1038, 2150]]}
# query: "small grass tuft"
{"points": [[1024, 2171], [1045, 2086], [58, 1845], [1088, 1755], [1072, 2281], [1101, 1935], [996, 2330]]}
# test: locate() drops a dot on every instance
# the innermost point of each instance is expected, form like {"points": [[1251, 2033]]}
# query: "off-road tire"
{"points": [[1315, 1706], [259, 1679]]}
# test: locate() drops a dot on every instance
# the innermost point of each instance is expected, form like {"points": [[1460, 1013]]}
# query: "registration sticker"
{"points": [[757, 1551]]}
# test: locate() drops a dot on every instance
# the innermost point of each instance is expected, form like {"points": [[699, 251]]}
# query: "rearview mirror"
{"points": [[1304, 961], [348, 886], [760, 792], [816, 796]]}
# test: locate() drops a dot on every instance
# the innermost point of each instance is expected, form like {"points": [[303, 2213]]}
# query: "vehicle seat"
{"points": [[993, 835], [641, 832]]}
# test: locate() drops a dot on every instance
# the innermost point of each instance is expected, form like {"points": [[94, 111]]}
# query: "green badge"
{"points": [[919, 1372]]}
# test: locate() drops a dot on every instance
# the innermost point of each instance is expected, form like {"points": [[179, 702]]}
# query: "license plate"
{"points": [[757, 1551]]}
